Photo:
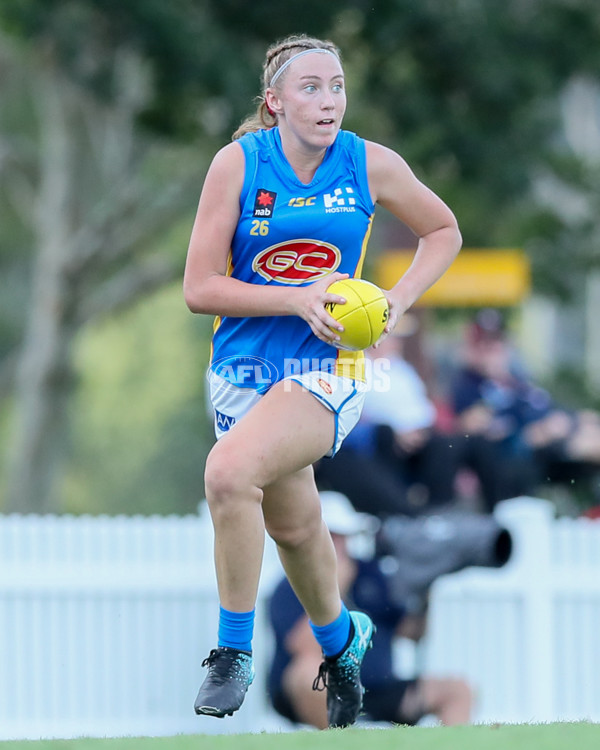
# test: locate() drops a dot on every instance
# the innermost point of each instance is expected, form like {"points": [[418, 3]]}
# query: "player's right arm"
{"points": [[394, 186], [207, 287]]}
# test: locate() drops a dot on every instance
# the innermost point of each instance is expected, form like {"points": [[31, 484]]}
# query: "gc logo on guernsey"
{"points": [[297, 261]]}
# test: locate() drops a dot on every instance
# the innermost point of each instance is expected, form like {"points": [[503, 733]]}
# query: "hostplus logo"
{"points": [[340, 201]]}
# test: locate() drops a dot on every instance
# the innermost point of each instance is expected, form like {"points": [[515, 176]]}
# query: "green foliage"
{"points": [[17, 142], [198, 85], [471, 89], [85, 35], [140, 429]]}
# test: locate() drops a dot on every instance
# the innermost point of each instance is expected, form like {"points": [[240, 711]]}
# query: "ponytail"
{"points": [[262, 119]]}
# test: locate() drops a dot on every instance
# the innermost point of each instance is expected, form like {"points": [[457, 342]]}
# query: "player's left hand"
{"points": [[396, 310], [310, 303]]}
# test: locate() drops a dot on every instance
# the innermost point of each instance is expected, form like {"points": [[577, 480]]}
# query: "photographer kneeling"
{"points": [[364, 585]]}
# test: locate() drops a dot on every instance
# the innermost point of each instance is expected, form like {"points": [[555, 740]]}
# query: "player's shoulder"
{"points": [[231, 153], [262, 139], [228, 162], [350, 142], [387, 170], [381, 157]]}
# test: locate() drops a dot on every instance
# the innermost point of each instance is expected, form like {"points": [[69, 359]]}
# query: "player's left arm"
{"points": [[394, 186]]}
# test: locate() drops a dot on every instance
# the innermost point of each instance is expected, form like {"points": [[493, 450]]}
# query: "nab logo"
{"points": [[224, 422], [297, 261], [340, 200], [264, 203]]}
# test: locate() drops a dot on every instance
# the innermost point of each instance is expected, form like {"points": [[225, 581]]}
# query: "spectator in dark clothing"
{"points": [[365, 585], [396, 461], [493, 397]]}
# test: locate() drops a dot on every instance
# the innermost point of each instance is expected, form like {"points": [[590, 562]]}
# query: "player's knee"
{"points": [[293, 535], [224, 477]]}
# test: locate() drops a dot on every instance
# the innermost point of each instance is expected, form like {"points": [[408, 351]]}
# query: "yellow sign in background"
{"points": [[476, 278]]}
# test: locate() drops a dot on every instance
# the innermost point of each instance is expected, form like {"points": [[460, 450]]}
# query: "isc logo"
{"points": [[299, 202], [297, 261]]}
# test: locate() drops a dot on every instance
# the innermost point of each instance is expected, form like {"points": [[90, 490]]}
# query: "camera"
{"points": [[416, 551]]}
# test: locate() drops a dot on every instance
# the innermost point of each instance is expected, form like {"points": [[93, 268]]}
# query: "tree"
{"points": [[91, 192]]}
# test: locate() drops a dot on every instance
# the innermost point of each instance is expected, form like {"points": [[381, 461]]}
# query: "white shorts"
{"points": [[343, 396]]}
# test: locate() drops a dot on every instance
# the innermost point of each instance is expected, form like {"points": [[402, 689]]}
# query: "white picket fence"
{"points": [[104, 623], [526, 636]]}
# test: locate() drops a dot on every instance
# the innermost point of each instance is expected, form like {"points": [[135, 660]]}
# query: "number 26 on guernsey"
{"points": [[260, 227]]}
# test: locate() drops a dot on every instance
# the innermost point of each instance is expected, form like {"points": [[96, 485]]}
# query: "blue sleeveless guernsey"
{"points": [[291, 234]]}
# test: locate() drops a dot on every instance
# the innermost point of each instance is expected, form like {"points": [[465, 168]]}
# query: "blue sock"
{"points": [[333, 637], [236, 629]]}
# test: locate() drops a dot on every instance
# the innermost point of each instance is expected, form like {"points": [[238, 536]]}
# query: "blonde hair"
{"points": [[277, 55]]}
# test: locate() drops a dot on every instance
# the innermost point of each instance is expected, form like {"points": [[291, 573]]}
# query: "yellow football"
{"points": [[363, 316]]}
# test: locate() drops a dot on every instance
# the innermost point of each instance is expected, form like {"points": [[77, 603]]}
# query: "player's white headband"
{"points": [[287, 63]]}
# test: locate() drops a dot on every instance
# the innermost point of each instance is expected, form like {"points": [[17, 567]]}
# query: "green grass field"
{"points": [[562, 736]]}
